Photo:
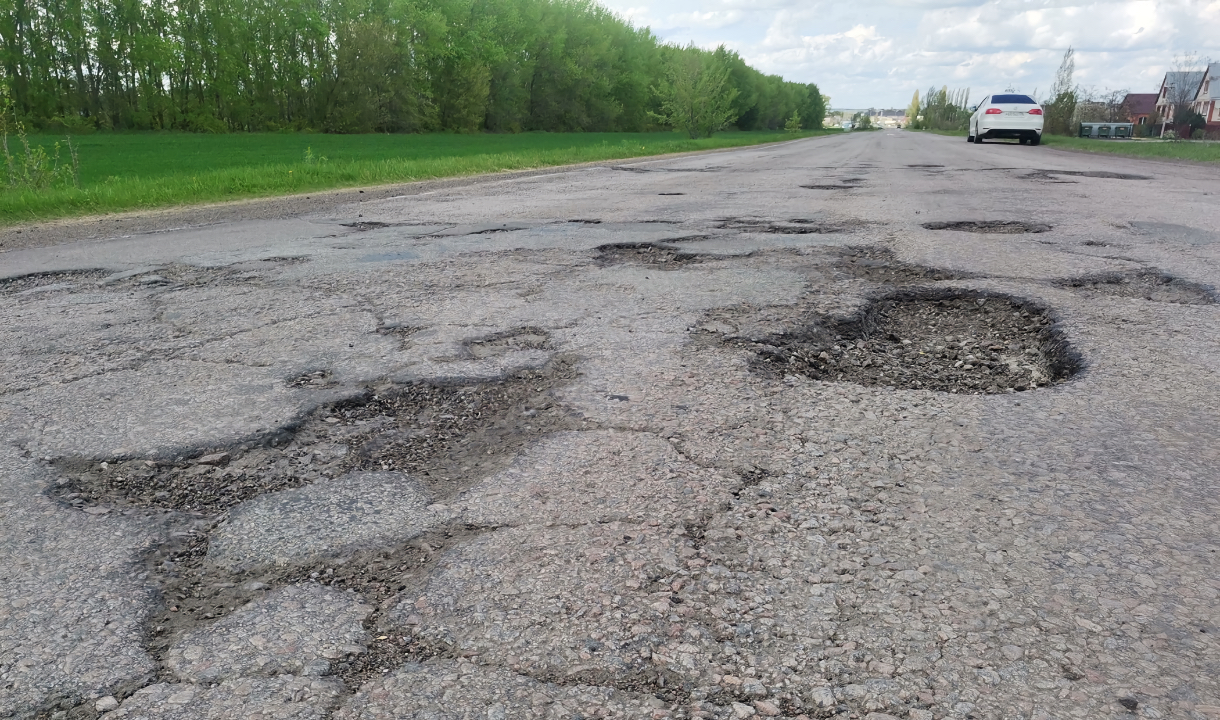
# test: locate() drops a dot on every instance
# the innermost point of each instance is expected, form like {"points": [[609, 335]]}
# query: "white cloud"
{"points": [[878, 52]]}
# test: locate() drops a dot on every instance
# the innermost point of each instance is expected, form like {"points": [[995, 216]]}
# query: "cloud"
{"points": [[877, 53]]}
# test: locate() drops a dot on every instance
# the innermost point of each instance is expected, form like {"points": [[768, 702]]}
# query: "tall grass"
{"points": [[141, 171]]}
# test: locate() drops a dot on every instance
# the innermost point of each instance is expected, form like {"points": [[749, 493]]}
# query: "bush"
{"points": [[1197, 134], [32, 168]]}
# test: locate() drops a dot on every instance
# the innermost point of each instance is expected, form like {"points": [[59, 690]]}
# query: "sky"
{"points": [[877, 53]]}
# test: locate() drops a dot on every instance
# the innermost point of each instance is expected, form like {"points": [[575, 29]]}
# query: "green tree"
{"points": [[1064, 97], [697, 97]]}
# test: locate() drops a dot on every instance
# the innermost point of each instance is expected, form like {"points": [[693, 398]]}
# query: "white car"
{"points": [[1006, 116]]}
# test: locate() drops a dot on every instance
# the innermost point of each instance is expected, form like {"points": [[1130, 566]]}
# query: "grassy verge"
{"points": [[1198, 151], [156, 170], [1195, 150]]}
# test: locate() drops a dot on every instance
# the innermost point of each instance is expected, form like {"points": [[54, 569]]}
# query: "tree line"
{"points": [[352, 66]]}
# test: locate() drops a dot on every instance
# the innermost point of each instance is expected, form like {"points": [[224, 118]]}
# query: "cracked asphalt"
{"points": [[510, 447]]}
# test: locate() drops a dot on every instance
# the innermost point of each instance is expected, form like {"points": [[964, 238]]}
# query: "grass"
{"points": [[131, 171], [1152, 148], [1196, 150]]}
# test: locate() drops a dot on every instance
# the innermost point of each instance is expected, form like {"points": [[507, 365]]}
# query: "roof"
{"points": [[1140, 103], [1190, 79], [1213, 88]]}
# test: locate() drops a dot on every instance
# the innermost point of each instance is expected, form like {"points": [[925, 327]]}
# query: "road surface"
{"points": [[756, 433]]}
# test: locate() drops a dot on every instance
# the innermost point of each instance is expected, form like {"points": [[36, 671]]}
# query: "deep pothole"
{"points": [[524, 338], [1104, 174], [997, 227], [1149, 284], [946, 340], [52, 281], [644, 254], [879, 265], [795, 226]]}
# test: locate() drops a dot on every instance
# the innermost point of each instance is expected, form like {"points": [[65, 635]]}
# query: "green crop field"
{"points": [[127, 171], [131, 171]]}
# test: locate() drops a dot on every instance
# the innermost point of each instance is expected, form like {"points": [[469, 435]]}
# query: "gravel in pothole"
{"points": [[880, 266], [441, 434], [960, 342], [995, 227], [50, 282], [1151, 285], [525, 338], [644, 254], [796, 226]]}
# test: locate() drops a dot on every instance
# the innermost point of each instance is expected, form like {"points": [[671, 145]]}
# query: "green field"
{"points": [[1196, 150], [155, 170]]}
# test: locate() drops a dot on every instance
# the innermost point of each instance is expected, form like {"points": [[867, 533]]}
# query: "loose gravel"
{"points": [[645, 254], [950, 341], [879, 265], [439, 433], [994, 227], [1143, 284]]}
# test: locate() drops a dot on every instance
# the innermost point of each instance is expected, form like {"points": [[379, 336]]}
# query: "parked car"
{"points": [[1006, 116]]}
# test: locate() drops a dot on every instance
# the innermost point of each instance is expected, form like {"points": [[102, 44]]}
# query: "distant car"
{"points": [[1006, 116]]}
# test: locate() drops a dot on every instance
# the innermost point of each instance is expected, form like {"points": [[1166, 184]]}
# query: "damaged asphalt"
{"points": [[874, 426]]}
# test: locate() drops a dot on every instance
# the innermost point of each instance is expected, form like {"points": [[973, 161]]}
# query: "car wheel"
{"points": [[1022, 141], [978, 139], [1035, 140], [969, 138]]}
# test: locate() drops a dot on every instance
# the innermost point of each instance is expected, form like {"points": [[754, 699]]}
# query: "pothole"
{"points": [[999, 227], [644, 254], [946, 340], [797, 226], [439, 433], [525, 338], [365, 225], [1151, 285], [315, 379], [51, 281], [671, 194], [923, 165], [830, 186], [1104, 174], [880, 266]]}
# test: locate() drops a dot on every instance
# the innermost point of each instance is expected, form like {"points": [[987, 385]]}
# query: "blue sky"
{"points": [[877, 53]]}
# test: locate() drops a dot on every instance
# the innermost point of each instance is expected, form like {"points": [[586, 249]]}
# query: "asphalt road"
{"points": [[720, 436]]}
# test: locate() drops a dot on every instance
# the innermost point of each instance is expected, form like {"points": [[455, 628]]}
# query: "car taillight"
{"points": [[1036, 111], [993, 111]]}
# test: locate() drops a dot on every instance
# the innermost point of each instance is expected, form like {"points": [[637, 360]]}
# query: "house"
{"points": [[1207, 97], [1137, 108], [1177, 89]]}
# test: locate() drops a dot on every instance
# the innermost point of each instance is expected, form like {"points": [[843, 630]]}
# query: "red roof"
{"points": [[1140, 103]]}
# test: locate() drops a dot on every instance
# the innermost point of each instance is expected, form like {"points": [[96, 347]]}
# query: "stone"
{"points": [[741, 710], [766, 708], [219, 458], [106, 704]]}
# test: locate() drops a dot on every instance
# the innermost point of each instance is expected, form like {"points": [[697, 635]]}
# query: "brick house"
{"points": [[1138, 108]]}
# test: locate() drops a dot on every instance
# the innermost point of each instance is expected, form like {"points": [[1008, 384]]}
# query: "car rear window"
{"points": [[1013, 100]]}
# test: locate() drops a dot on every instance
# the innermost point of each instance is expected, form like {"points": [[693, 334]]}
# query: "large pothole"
{"points": [[795, 226], [948, 340], [644, 254], [880, 265], [1151, 285], [996, 227]]}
